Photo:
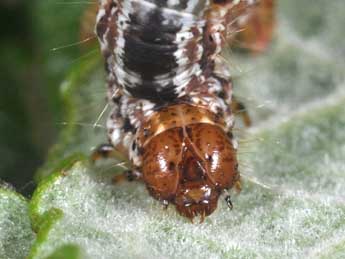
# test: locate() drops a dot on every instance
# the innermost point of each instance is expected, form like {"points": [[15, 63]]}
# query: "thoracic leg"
{"points": [[239, 108], [128, 175], [104, 151]]}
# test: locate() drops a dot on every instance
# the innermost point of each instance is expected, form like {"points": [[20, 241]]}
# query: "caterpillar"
{"points": [[170, 94]]}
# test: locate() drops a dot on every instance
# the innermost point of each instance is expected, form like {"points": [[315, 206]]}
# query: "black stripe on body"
{"points": [[149, 53], [149, 50], [150, 92]]}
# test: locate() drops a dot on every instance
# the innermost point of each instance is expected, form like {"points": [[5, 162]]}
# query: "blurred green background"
{"points": [[30, 74]]}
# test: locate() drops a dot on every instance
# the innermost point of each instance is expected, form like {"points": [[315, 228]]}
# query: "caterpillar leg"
{"points": [[229, 202], [238, 186], [128, 175], [239, 108], [104, 151]]}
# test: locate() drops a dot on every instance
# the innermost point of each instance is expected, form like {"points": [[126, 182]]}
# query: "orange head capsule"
{"points": [[188, 159]]}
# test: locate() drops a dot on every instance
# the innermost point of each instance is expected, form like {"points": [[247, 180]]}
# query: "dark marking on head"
{"points": [[171, 166], [189, 132]]}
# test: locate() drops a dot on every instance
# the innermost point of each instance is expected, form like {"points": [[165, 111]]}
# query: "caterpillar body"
{"points": [[170, 95]]}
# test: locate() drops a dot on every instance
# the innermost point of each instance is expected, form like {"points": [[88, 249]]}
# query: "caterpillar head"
{"points": [[189, 166]]}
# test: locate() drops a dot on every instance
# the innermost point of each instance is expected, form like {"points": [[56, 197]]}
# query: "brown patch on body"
{"points": [[178, 115]]}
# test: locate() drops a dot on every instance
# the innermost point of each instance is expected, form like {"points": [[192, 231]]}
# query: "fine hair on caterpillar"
{"points": [[169, 96]]}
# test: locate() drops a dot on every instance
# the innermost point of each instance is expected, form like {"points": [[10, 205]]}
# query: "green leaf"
{"points": [[16, 235], [67, 251], [291, 205]]}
